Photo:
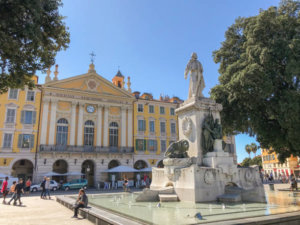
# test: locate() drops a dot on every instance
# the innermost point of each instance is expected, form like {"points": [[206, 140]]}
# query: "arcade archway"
{"points": [[22, 169], [88, 169]]}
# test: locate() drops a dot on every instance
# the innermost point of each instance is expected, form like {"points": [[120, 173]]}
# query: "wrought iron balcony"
{"points": [[83, 149]]}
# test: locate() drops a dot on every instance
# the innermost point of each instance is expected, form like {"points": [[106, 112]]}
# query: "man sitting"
{"points": [[81, 202]]}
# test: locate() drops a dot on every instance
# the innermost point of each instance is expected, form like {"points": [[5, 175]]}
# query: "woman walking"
{"points": [[47, 187]]}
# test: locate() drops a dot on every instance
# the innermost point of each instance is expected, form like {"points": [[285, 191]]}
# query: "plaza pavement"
{"points": [[37, 211]]}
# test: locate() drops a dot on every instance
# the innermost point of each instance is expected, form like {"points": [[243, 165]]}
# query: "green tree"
{"points": [[256, 161], [246, 162], [260, 78], [254, 148], [248, 150], [31, 33]]}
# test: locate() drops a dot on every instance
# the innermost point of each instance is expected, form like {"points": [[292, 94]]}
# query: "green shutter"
{"points": [[144, 125], [33, 117], [145, 145], [22, 116], [136, 144], [20, 140], [31, 144], [155, 145]]}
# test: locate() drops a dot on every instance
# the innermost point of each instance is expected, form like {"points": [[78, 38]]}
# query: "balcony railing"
{"points": [[82, 149]]}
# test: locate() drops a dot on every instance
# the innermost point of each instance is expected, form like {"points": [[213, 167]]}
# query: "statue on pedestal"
{"points": [[178, 149], [211, 130], [197, 84]]}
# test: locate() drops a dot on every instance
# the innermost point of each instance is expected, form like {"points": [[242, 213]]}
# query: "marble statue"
{"points": [[195, 69], [211, 130], [178, 149]]}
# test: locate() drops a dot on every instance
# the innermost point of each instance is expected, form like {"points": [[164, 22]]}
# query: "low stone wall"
{"points": [[95, 215]]}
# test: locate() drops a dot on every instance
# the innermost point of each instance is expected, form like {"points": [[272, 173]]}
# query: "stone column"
{"points": [[80, 124], [73, 123], [44, 121], [52, 122], [99, 125], [105, 130], [129, 128], [123, 126]]}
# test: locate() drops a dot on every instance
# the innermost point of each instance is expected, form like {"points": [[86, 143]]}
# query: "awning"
{"points": [[53, 174], [121, 169], [147, 169], [4, 175], [73, 174]]}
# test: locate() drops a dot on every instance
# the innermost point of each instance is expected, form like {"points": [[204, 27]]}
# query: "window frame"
{"points": [[89, 133], [9, 94], [172, 111], [14, 117], [143, 127], [161, 146], [113, 134], [151, 107], [62, 134], [152, 130], [27, 94], [162, 112], [140, 109], [162, 122], [171, 128], [4, 140]]}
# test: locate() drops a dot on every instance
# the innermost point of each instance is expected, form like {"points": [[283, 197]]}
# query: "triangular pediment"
{"points": [[90, 82]]}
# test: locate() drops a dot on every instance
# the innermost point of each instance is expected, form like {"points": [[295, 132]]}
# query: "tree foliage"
{"points": [[251, 162], [31, 33], [260, 78], [248, 149], [254, 148]]}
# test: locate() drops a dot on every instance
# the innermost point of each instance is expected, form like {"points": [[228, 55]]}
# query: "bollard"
{"points": [[271, 186]]}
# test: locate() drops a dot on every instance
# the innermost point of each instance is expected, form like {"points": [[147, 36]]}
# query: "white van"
{"points": [[9, 181]]}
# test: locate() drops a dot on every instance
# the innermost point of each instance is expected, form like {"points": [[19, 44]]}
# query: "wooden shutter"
{"points": [[20, 140], [144, 125], [31, 144], [136, 144], [155, 145], [33, 117], [145, 145], [23, 116]]}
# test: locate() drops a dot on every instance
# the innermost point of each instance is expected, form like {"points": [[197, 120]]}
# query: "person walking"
{"points": [[43, 188], [13, 191], [81, 202], [19, 191], [27, 186], [47, 188], [4, 190]]}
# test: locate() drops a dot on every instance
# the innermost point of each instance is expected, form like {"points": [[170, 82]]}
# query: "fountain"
{"points": [[196, 168]]}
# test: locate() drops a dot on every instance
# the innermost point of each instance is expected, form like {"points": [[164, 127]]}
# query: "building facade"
{"points": [[155, 128], [271, 165], [19, 123]]}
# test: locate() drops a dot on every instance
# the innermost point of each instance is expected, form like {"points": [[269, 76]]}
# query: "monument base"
{"points": [[203, 184]]}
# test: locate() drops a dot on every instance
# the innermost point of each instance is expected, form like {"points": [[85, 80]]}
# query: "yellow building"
{"points": [[155, 128], [19, 123], [272, 165], [86, 125]]}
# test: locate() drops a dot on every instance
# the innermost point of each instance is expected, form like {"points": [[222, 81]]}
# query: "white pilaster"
{"points": [[44, 121], [80, 125], [105, 130], [123, 126], [73, 123], [52, 121], [129, 128], [99, 125]]}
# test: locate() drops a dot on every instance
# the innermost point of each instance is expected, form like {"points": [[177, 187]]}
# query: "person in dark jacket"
{"points": [[43, 194], [81, 202], [19, 190]]}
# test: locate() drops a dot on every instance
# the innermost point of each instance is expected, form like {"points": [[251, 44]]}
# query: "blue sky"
{"points": [[151, 41]]}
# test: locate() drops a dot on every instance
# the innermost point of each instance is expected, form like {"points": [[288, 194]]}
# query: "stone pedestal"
{"points": [[190, 119]]}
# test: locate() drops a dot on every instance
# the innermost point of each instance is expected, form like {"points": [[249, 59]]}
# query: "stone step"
{"points": [[230, 198], [168, 197]]}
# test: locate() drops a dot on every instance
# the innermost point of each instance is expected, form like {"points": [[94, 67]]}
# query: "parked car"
{"points": [[37, 187], [9, 182], [75, 184]]}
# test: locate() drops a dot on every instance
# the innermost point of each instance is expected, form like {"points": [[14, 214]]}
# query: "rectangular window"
{"points": [[140, 108], [162, 110], [151, 108], [141, 125], [163, 145], [151, 126], [140, 144], [172, 111], [162, 127], [28, 117], [10, 115], [13, 94], [152, 145], [173, 128], [30, 96], [7, 140], [26, 141]]}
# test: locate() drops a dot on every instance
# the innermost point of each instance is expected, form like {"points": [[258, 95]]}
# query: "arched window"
{"points": [[62, 132], [113, 134], [89, 133]]}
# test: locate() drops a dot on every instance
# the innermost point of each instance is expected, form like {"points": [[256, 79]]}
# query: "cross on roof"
{"points": [[92, 57]]}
